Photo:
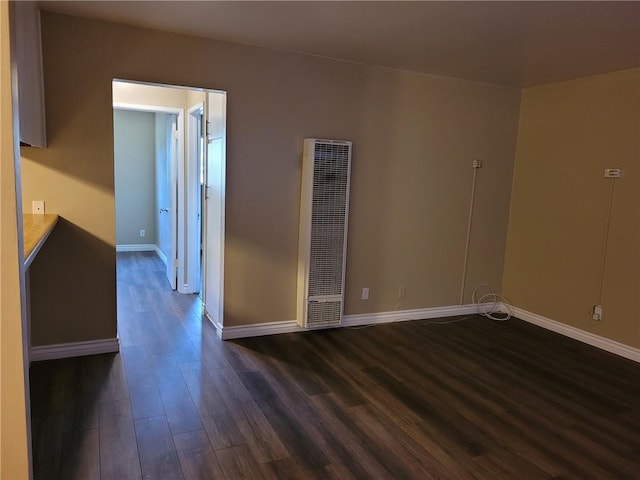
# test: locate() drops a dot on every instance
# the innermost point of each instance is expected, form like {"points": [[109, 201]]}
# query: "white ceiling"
{"points": [[509, 43]]}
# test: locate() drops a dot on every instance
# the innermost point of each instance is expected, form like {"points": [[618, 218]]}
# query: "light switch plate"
{"points": [[37, 207]]}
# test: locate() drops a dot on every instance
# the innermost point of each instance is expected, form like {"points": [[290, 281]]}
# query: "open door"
{"points": [[193, 191], [176, 155], [167, 192], [214, 205]]}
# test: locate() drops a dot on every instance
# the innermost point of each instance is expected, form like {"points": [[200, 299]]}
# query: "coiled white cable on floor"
{"points": [[490, 304]]}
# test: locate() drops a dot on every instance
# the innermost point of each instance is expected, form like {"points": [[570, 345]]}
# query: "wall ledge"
{"points": [[75, 349], [592, 339], [290, 326]]}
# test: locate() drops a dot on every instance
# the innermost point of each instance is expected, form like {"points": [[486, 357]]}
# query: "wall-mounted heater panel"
{"points": [[322, 248]]}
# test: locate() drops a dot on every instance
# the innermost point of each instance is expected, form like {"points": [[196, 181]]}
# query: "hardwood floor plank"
{"points": [[158, 456], [347, 454], [197, 458], [143, 390], [81, 455], [418, 463], [218, 423], [204, 393], [344, 362], [237, 463], [290, 469], [114, 382], [257, 432], [440, 416], [118, 448], [448, 455], [289, 429], [46, 441], [178, 404], [394, 467]]}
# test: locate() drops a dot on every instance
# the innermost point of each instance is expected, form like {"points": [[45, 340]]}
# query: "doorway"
{"points": [[189, 170]]}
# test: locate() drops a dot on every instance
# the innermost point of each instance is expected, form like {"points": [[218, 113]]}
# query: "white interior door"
{"points": [[167, 196], [163, 190], [193, 194], [214, 205]]}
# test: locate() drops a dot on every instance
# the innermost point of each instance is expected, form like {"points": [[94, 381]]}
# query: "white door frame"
{"points": [[185, 199], [194, 205], [176, 263], [214, 197]]}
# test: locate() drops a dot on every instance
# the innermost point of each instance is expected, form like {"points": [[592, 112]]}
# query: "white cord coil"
{"points": [[490, 304]]}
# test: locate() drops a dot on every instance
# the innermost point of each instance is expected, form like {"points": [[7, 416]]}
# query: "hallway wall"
{"points": [[135, 171]]}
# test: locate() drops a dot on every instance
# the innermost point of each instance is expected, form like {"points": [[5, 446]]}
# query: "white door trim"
{"points": [[213, 268], [146, 108]]}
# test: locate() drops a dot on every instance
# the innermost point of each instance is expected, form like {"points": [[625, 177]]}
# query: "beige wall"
{"points": [[14, 462], [414, 137], [135, 181], [569, 133]]}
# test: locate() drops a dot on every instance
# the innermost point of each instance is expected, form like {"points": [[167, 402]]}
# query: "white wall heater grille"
{"points": [[324, 210]]}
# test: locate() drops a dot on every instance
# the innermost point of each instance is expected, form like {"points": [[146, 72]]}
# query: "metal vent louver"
{"points": [[323, 231]]}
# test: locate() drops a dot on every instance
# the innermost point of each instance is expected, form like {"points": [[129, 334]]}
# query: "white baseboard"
{"points": [[257, 329], [218, 326], [289, 326], [406, 315], [75, 349], [137, 247], [161, 254], [585, 337]]}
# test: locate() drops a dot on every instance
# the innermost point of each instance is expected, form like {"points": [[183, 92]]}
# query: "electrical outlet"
{"points": [[365, 294], [612, 173], [402, 292], [37, 207], [597, 312], [142, 232], [477, 164]]}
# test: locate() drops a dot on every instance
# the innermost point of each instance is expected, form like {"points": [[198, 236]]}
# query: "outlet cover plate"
{"points": [[37, 207]]}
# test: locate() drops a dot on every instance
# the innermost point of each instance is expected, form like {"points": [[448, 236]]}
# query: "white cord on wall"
{"points": [[605, 242], [476, 166]]}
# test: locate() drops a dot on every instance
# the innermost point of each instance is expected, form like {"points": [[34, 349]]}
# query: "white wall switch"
{"points": [[37, 207], [402, 292], [142, 232], [365, 294]]}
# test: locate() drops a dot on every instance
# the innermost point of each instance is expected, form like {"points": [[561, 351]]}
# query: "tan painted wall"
{"points": [[569, 132], [14, 462], [135, 181], [414, 140]]}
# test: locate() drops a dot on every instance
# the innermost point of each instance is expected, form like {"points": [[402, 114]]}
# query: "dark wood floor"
{"points": [[474, 399]]}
